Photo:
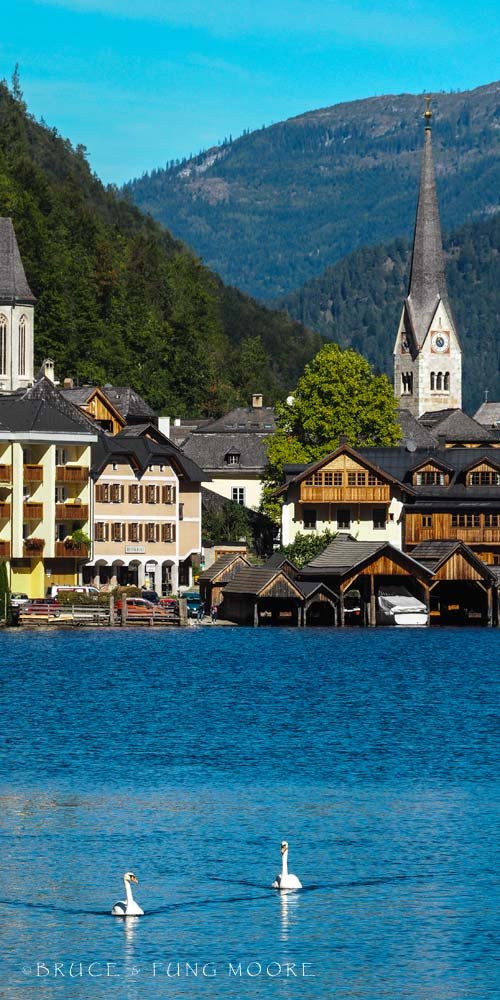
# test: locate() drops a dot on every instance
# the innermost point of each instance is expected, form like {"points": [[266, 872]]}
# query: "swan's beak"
{"points": [[134, 879], [284, 847]]}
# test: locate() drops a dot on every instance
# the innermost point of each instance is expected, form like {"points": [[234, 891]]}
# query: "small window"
{"points": [[372, 479], [361, 479], [310, 518], [238, 494], [61, 532], [308, 481], [328, 478], [318, 479], [491, 520], [407, 383], [338, 479], [379, 518], [61, 456], [427, 520], [344, 517], [233, 458], [351, 478]]}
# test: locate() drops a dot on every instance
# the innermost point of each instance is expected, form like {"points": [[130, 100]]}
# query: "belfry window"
{"points": [[439, 381], [3, 345], [407, 383], [446, 382], [433, 381], [22, 346]]}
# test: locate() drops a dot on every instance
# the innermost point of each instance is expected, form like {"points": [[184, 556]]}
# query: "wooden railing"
{"points": [[33, 473], [70, 550], [5, 473], [71, 474], [5, 550], [32, 511], [345, 494], [72, 511], [4, 510], [33, 546]]}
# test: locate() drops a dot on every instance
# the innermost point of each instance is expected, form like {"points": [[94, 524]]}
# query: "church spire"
{"points": [[427, 278]]}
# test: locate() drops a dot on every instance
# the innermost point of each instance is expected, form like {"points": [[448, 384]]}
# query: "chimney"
{"points": [[164, 425], [257, 401], [48, 370], [68, 383], [441, 441], [177, 421], [342, 439]]}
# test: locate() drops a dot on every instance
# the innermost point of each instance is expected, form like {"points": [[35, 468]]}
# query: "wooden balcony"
{"points": [[33, 546], [4, 510], [5, 473], [72, 474], [442, 529], [5, 550], [68, 550], [345, 494], [72, 512], [32, 511], [33, 473]]}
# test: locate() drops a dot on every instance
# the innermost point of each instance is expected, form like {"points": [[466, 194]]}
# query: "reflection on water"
{"points": [[376, 753]]}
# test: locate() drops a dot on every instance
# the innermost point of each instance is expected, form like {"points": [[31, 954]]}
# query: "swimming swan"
{"points": [[284, 880], [128, 907]]}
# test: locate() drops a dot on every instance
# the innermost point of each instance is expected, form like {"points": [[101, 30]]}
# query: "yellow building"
{"points": [[45, 494]]}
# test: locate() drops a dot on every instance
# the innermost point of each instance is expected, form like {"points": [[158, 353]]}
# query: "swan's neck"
{"points": [[284, 864], [128, 890]]}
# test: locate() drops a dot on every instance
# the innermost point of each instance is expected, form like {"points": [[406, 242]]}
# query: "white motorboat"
{"points": [[398, 607]]}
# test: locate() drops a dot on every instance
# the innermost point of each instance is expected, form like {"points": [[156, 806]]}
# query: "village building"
{"points": [[232, 450], [147, 512], [17, 307], [45, 491]]}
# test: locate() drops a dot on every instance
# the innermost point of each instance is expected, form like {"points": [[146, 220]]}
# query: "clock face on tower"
{"points": [[440, 342]]}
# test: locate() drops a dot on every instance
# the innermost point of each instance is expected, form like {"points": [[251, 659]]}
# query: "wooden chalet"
{"points": [[213, 581], [369, 565]]}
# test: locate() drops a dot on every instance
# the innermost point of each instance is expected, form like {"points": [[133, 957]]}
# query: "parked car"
{"points": [[140, 609], [42, 606], [82, 588], [151, 596], [194, 603], [18, 600]]}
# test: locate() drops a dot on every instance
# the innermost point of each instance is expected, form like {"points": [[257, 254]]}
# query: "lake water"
{"points": [[186, 756]]}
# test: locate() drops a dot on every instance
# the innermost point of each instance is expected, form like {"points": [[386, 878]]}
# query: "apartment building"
{"points": [[147, 512]]}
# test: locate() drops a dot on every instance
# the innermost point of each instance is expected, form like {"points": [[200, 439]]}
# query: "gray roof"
{"points": [[427, 286], [13, 284], [309, 587], [19, 415], [345, 553], [209, 450], [277, 560], [245, 418], [455, 425], [127, 401], [254, 579], [413, 432], [488, 414], [220, 564], [80, 395], [44, 389], [142, 451]]}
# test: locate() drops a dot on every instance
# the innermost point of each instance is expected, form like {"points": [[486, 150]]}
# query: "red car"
{"points": [[139, 609], [42, 606]]}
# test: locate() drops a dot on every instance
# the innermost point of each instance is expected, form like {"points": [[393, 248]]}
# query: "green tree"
{"points": [[306, 547], [338, 394]]}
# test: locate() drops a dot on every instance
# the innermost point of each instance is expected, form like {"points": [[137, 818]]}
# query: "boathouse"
{"points": [[260, 596], [464, 588], [214, 579]]}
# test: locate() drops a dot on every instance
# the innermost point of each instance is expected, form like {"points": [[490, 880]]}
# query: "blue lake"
{"points": [[186, 756]]}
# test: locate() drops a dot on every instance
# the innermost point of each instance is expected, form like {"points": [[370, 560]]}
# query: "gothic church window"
{"points": [[439, 381], [407, 383], [3, 345], [22, 346], [446, 385]]}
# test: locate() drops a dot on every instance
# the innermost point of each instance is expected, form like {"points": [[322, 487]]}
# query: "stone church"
{"points": [[17, 304], [427, 352]]}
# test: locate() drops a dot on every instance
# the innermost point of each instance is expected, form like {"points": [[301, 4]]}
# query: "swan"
{"points": [[128, 907], [284, 880]]}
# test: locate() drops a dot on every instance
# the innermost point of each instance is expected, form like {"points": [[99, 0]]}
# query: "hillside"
{"points": [[275, 207], [357, 302], [119, 300]]}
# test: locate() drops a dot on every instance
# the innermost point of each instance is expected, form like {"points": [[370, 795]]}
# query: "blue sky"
{"points": [[140, 82]]}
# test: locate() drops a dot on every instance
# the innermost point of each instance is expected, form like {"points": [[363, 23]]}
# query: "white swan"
{"points": [[284, 880], [128, 907]]}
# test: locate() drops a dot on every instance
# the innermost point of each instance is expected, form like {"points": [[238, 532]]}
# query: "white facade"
{"points": [[430, 377], [16, 347], [245, 489]]}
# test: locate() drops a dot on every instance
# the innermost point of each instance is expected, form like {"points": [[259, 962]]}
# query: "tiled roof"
{"points": [[345, 553], [220, 564], [143, 451], [209, 450], [488, 414], [44, 389], [277, 560], [435, 553], [455, 425], [413, 432], [245, 418], [22, 416], [13, 284], [127, 401], [254, 579]]}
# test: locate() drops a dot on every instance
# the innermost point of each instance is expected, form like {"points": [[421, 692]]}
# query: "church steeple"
{"points": [[16, 315], [427, 277], [427, 354]]}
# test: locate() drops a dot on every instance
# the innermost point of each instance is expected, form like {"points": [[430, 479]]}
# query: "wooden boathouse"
{"points": [[214, 579]]}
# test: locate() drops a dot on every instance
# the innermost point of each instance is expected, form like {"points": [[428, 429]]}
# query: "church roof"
{"points": [[427, 285], [488, 414], [13, 284], [455, 425]]}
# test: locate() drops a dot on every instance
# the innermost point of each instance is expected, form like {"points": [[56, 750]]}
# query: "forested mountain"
{"points": [[275, 207], [358, 301], [119, 300]]}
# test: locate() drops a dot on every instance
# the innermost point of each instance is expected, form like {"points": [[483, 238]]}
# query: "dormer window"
{"points": [[430, 477], [232, 458], [483, 477]]}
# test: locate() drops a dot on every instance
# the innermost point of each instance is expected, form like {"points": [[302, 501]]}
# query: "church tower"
{"points": [[427, 352], [17, 307]]}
